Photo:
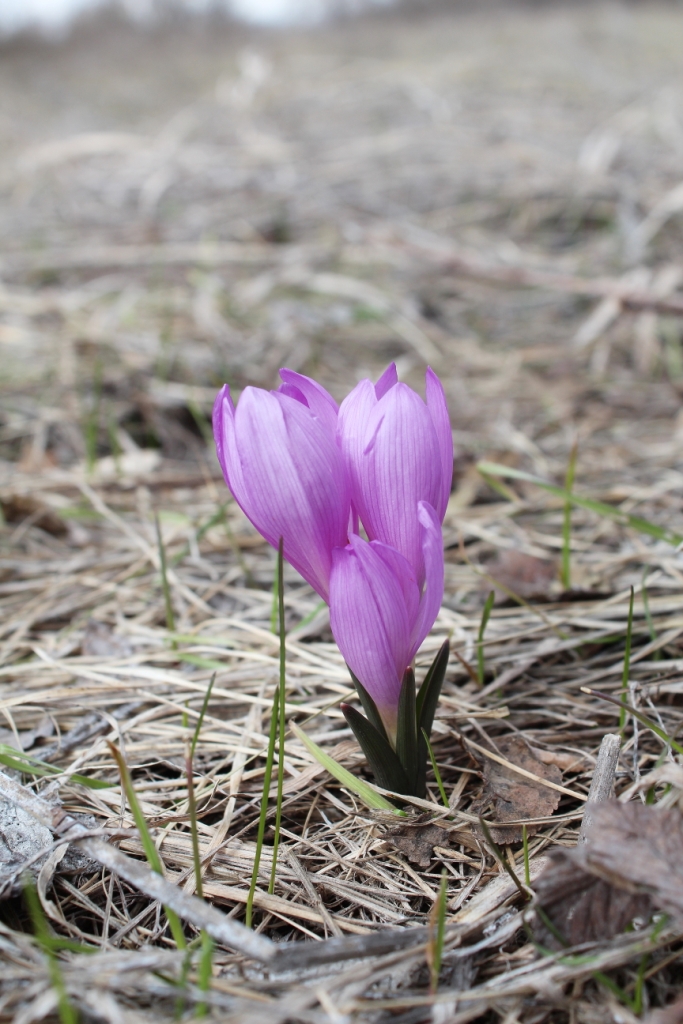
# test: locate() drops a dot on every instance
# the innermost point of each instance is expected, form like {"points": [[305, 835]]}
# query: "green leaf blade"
{"points": [[386, 767], [406, 732], [370, 797]]}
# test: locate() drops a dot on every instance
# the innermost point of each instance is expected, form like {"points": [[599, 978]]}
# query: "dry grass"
{"points": [[329, 202]]}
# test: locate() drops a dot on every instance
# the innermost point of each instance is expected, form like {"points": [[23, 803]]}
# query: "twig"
{"points": [[188, 908], [603, 779]]}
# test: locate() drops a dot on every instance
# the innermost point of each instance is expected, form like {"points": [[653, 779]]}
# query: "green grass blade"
{"points": [[643, 719], [627, 665], [485, 615], [282, 688], [151, 852], [67, 1013], [192, 811], [168, 604], [435, 769], [601, 508], [366, 793], [205, 704], [525, 847], [436, 945], [502, 860], [21, 762], [567, 521], [205, 971], [274, 716]]}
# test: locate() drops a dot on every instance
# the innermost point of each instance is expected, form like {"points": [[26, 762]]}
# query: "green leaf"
{"points": [[369, 796], [148, 844], [406, 731], [429, 692], [21, 762], [369, 707], [601, 508], [385, 765], [427, 699]]}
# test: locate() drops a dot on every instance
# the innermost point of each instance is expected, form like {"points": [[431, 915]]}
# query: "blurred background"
{"points": [[192, 194]]}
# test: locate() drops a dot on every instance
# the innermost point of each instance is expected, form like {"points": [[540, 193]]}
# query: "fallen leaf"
{"points": [[17, 508], [629, 866], [416, 841], [638, 847], [580, 906], [508, 796], [528, 577]]}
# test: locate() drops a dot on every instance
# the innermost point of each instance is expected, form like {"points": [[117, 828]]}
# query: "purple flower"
{"points": [[379, 613], [398, 451], [283, 464]]}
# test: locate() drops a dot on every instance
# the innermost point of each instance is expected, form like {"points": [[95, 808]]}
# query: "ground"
{"points": [[494, 191]]}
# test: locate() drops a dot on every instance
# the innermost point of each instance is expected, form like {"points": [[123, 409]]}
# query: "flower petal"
{"points": [[432, 596], [293, 481], [320, 402], [402, 570], [370, 623], [399, 466], [386, 381], [354, 413], [226, 445], [438, 410]]}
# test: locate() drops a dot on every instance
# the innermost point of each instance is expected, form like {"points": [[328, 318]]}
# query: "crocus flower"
{"points": [[380, 614], [283, 464], [398, 451]]}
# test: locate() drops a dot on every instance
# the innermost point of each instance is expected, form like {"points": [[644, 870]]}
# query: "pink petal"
{"points": [[399, 466], [320, 402], [226, 446], [432, 596], [386, 381], [286, 471], [402, 571], [438, 410], [370, 622]]}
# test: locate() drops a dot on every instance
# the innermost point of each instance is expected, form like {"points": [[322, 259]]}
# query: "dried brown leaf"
{"points": [[638, 847], [20, 508], [580, 906], [510, 797], [416, 840]]}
